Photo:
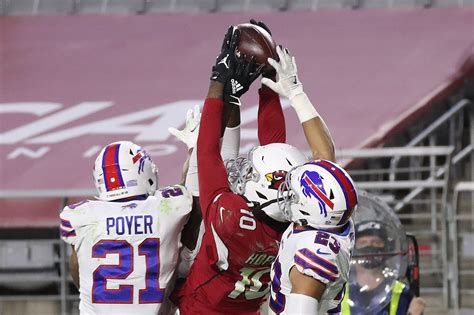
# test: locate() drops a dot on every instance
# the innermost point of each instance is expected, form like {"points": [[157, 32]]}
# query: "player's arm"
{"points": [[74, 267], [306, 292], [185, 170], [190, 237], [271, 121], [211, 170], [189, 240], [212, 174], [190, 232], [229, 149], [288, 85], [71, 220], [316, 132], [314, 267], [231, 138], [227, 68], [188, 135]]}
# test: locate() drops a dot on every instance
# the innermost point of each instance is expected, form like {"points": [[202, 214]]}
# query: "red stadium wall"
{"points": [[69, 85]]}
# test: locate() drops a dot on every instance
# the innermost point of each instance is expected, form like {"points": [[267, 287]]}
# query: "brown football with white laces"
{"points": [[256, 41]]}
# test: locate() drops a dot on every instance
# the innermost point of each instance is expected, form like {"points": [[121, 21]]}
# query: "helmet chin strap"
{"points": [[303, 222], [257, 205], [257, 210]]}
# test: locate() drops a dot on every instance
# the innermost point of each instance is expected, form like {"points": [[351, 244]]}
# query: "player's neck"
{"points": [[300, 227]]}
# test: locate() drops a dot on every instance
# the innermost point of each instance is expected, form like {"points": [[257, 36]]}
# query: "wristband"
{"points": [[230, 143], [301, 304], [303, 107], [192, 182]]}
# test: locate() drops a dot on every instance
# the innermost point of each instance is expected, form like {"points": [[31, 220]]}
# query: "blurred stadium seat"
{"points": [[316, 4], [37, 7], [109, 6], [181, 6], [254, 5], [28, 264]]}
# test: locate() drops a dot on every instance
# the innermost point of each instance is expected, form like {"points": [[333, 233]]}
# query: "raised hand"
{"points": [[221, 69], [243, 73], [189, 134], [288, 84]]}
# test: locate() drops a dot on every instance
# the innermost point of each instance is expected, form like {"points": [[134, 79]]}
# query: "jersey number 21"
{"points": [[150, 248]]}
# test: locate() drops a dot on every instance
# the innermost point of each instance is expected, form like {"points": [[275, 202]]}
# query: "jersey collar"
{"points": [[345, 232]]}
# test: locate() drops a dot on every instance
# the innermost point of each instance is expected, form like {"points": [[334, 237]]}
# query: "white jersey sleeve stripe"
{"points": [[303, 264], [313, 257], [315, 265], [67, 233], [222, 251], [66, 229], [66, 223]]}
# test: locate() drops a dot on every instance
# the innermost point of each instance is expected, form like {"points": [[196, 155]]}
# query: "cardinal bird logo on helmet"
{"points": [[276, 179]]}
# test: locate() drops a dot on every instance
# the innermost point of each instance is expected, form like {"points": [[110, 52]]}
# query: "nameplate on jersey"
{"points": [[129, 225], [259, 259]]}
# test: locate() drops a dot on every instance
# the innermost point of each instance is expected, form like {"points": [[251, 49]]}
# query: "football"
{"points": [[256, 41]]}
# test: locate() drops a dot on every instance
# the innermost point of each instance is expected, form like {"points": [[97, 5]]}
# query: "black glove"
{"points": [[221, 70], [261, 24], [242, 74]]}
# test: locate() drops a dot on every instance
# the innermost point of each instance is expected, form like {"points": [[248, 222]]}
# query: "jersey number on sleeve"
{"points": [[324, 238], [150, 248], [172, 192]]}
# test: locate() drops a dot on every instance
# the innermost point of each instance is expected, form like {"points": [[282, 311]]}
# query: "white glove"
{"points": [[190, 132], [288, 84]]}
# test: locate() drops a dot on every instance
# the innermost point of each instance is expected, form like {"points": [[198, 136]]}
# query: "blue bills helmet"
{"points": [[319, 193]]}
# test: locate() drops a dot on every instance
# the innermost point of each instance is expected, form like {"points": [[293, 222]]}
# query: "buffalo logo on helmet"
{"points": [[312, 186], [141, 156], [276, 179]]}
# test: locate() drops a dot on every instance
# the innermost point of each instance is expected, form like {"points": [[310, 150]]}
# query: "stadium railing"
{"points": [[424, 216], [461, 228]]}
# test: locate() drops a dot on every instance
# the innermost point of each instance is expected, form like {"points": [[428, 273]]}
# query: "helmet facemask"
{"points": [[245, 180], [239, 172], [259, 177], [286, 197]]}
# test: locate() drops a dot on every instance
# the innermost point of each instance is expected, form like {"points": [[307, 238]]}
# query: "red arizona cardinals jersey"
{"points": [[231, 272]]}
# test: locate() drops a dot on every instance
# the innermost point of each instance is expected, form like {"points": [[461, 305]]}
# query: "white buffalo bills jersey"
{"points": [[127, 251], [320, 254]]}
